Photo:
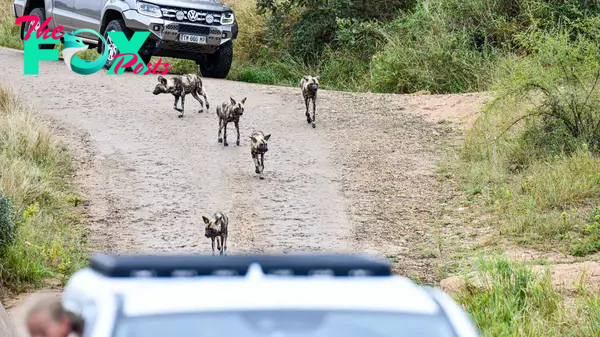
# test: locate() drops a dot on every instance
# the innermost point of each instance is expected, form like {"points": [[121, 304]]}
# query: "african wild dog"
{"points": [[258, 147], [230, 112], [309, 86], [216, 228], [179, 86]]}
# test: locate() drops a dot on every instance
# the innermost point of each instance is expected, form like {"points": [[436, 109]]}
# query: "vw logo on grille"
{"points": [[192, 15]]}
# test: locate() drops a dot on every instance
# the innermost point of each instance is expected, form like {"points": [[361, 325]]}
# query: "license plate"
{"points": [[192, 38]]}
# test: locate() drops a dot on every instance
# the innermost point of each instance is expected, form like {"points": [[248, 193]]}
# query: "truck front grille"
{"points": [[191, 15]]}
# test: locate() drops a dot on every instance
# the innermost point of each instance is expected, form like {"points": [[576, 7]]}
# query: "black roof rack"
{"points": [[237, 265]]}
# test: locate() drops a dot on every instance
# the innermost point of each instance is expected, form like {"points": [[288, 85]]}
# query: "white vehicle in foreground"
{"points": [[304, 295]]}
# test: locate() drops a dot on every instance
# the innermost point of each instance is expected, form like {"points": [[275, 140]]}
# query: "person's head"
{"points": [[48, 318]]}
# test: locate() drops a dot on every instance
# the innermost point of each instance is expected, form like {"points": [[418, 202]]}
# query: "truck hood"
{"points": [[207, 5]]}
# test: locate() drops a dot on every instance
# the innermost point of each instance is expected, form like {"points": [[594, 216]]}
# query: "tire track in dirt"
{"points": [[154, 175]]}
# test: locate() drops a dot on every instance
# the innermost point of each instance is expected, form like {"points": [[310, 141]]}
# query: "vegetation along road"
{"points": [[480, 185]]}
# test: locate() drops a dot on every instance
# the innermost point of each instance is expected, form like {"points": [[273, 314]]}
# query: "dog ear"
{"points": [[232, 100], [252, 138], [267, 136], [317, 77], [162, 80], [244, 100], [206, 221]]}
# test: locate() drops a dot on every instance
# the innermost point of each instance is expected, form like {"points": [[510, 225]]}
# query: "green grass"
{"points": [[34, 173], [507, 298], [532, 156]]}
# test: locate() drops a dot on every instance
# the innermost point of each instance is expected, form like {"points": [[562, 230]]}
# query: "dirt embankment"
{"points": [[364, 180]]}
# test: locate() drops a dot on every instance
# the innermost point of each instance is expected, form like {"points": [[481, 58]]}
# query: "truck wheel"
{"points": [[39, 12], [218, 64], [117, 26]]}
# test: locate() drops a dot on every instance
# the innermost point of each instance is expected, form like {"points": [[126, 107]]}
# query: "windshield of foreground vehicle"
{"points": [[285, 323]]}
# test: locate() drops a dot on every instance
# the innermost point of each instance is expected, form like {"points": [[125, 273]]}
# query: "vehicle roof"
{"points": [[149, 296]]}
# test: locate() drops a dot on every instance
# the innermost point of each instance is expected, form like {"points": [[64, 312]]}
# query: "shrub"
{"points": [[423, 54], [559, 83], [309, 37], [533, 153], [7, 223]]}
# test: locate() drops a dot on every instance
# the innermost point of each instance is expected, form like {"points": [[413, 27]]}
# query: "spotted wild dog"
{"points": [[309, 86], [181, 85], [230, 112], [215, 228], [258, 147]]}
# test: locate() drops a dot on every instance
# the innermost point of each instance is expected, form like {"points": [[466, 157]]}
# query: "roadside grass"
{"points": [[509, 298], [9, 32], [531, 165], [48, 240], [531, 158]]}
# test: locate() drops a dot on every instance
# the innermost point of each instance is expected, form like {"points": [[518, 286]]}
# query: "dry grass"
{"points": [[34, 174]]}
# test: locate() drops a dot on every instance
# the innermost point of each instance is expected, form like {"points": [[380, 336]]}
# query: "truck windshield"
{"points": [[284, 323]]}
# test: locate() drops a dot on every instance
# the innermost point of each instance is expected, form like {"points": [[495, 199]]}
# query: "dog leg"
{"points": [[262, 165], [203, 93], [256, 165], [195, 95], [237, 128], [308, 120], [213, 245], [224, 240], [175, 105], [220, 128], [182, 105], [225, 133], [314, 118]]}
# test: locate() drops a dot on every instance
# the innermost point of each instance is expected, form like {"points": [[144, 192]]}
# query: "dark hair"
{"points": [[52, 306], [77, 323]]}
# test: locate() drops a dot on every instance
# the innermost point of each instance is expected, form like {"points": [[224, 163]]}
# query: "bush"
{"points": [[7, 223], [533, 154], [309, 36], [560, 79], [423, 54]]}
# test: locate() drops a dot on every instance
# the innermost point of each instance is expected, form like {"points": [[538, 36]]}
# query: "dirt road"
{"points": [[155, 175], [363, 180]]}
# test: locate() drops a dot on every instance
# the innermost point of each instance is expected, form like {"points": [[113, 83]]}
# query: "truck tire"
{"points": [[218, 64], [117, 26], [40, 13]]}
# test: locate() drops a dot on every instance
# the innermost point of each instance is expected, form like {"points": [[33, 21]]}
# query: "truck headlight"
{"points": [[227, 18], [149, 9]]}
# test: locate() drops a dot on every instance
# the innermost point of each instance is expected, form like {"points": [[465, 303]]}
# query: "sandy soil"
{"points": [[363, 181]]}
